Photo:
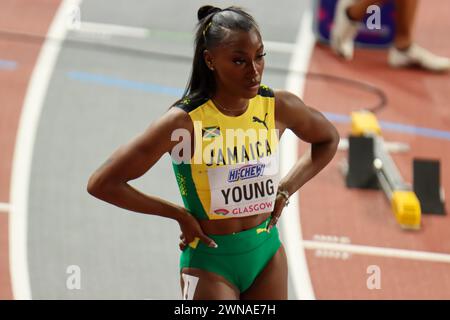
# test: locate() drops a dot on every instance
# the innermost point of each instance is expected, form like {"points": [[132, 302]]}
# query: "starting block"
{"points": [[370, 166]]}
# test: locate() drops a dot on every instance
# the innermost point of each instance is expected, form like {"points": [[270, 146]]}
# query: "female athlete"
{"points": [[222, 136]]}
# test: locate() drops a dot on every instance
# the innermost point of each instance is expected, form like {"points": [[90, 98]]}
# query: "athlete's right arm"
{"points": [[130, 161], [110, 182]]}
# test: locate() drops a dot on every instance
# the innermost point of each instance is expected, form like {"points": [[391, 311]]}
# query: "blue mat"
{"points": [[377, 38]]}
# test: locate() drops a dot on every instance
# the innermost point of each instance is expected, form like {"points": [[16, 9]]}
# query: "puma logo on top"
{"points": [[256, 119]]}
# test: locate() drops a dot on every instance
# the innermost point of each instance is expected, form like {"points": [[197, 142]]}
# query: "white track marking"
{"points": [[26, 134], [290, 221], [378, 251], [4, 207], [106, 31]]}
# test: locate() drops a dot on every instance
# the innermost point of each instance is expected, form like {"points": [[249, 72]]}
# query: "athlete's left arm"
{"points": [[310, 126]]}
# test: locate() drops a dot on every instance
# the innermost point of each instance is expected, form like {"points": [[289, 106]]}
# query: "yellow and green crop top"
{"points": [[234, 170]]}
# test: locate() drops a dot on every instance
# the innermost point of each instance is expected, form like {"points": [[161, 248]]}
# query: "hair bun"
{"points": [[206, 10]]}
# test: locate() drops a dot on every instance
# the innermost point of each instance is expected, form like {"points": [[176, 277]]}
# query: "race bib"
{"points": [[240, 190]]}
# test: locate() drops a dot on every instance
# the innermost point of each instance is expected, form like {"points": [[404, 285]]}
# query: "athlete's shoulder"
{"points": [[286, 98], [265, 91], [176, 118], [189, 104]]}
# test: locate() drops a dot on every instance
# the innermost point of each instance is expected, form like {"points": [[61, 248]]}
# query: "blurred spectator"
{"points": [[403, 53]]}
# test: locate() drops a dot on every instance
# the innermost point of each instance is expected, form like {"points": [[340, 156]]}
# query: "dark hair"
{"points": [[214, 24]]}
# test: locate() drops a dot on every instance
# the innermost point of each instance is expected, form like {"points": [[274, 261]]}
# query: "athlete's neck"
{"points": [[229, 104]]}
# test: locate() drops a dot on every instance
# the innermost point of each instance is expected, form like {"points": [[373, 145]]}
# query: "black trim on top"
{"points": [[265, 91], [189, 105]]}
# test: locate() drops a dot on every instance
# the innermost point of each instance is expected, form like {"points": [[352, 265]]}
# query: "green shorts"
{"points": [[239, 258]]}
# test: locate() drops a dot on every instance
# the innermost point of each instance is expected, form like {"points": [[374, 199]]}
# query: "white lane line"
{"points": [[106, 31], [4, 207], [378, 251], [26, 134], [283, 47], [290, 221]]}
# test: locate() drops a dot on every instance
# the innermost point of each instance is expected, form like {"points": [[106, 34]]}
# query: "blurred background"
{"points": [[80, 78]]}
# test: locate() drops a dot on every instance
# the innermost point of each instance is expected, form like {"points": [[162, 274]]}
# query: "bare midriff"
{"points": [[232, 225]]}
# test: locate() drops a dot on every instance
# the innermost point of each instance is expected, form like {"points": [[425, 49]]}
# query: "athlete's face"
{"points": [[238, 63]]}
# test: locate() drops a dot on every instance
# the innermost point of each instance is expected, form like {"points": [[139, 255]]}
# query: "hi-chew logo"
{"points": [[246, 172]]}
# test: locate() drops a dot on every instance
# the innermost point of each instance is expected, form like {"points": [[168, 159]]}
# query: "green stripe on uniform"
{"points": [[188, 190]]}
